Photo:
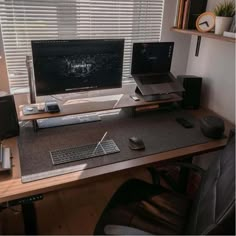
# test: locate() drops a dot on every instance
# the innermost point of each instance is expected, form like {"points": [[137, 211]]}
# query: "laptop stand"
{"points": [[153, 97]]}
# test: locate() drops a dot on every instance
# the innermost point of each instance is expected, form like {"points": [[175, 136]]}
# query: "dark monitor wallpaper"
{"points": [[62, 66], [152, 57]]}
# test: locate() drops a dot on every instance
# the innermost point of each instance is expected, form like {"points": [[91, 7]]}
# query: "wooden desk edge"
{"points": [[14, 188]]}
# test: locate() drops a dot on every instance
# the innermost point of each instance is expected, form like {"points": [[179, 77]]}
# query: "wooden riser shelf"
{"points": [[94, 104]]}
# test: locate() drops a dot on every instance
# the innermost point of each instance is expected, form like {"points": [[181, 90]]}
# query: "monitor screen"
{"points": [[62, 66], [152, 57]]}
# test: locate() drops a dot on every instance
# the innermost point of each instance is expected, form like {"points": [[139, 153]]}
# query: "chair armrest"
{"points": [[188, 166], [155, 173], [158, 173], [123, 230], [231, 134]]}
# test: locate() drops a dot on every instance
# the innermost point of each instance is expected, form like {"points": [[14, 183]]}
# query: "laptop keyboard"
{"points": [[83, 152], [155, 79]]}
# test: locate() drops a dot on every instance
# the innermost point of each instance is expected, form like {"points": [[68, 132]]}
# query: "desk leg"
{"points": [[184, 176], [29, 215], [35, 125]]}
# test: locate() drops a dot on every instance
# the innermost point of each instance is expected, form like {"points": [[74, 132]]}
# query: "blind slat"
{"points": [[25, 20]]}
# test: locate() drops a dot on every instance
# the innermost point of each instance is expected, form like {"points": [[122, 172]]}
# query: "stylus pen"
{"points": [[99, 143]]}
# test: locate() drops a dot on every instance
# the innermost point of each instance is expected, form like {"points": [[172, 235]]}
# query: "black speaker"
{"points": [[9, 126], [192, 94]]}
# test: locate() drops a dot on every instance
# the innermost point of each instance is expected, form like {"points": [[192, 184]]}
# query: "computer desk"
{"points": [[12, 188]]}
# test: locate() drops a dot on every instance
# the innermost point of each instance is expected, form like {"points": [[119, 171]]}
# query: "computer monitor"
{"points": [[62, 66], [153, 57]]}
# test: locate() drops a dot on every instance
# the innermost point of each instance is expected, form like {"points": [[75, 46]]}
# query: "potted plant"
{"points": [[224, 12]]}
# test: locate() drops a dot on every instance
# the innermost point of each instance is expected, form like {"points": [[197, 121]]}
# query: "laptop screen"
{"points": [[151, 57]]}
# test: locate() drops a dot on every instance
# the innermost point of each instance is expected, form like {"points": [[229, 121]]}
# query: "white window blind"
{"points": [[26, 20]]}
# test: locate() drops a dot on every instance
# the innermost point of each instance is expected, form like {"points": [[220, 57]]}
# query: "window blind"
{"points": [[25, 20]]}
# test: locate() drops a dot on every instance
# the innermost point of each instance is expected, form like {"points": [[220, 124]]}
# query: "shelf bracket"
{"points": [[198, 46]]}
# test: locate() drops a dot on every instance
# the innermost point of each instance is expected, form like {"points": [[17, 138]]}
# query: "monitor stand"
{"points": [[153, 97]]}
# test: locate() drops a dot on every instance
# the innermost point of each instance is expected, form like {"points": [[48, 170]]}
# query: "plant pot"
{"points": [[222, 24]]}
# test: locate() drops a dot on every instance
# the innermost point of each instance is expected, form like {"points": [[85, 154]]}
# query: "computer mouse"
{"points": [[136, 143]]}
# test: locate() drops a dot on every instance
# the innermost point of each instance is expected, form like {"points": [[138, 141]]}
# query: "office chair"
{"points": [[139, 207]]}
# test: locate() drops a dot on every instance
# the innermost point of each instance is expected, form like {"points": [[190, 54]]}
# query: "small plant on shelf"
{"points": [[226, 9], [224, 12]]}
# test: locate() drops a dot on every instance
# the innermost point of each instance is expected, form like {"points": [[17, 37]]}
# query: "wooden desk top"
{"points": [[11, 187]]}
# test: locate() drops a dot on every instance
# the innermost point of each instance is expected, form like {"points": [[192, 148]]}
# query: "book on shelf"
{"points": [[229, 34], [186, 14], [176, 13], [197, 7], [180, 14]]}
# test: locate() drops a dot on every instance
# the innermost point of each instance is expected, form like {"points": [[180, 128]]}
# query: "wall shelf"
{"points": [[200, 35], [206, 35]]}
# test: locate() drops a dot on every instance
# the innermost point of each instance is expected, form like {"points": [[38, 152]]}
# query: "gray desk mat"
{"points": [[159, 131]]}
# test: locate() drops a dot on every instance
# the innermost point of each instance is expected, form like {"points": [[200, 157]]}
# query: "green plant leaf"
{"points": [[226, 8]]}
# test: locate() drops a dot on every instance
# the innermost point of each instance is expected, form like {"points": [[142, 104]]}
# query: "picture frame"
{"points": [[233, 25]]}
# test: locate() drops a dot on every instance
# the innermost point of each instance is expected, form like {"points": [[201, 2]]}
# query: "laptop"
{"points": [[151, 64]]}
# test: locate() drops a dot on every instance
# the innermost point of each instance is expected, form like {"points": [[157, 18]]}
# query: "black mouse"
{"points": [[136, 143]]}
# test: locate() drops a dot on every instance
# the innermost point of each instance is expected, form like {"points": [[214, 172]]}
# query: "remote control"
{"points": [[185, 123]]}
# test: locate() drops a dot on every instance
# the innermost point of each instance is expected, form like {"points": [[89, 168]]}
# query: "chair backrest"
{"points": [[213, 210]]}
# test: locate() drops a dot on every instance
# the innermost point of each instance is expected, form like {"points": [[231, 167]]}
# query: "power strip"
{"points": [[25, 200]]}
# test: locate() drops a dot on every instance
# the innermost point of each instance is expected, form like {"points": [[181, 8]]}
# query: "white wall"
{"points": [[212, 3], [216, 64], [182, 42]]}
